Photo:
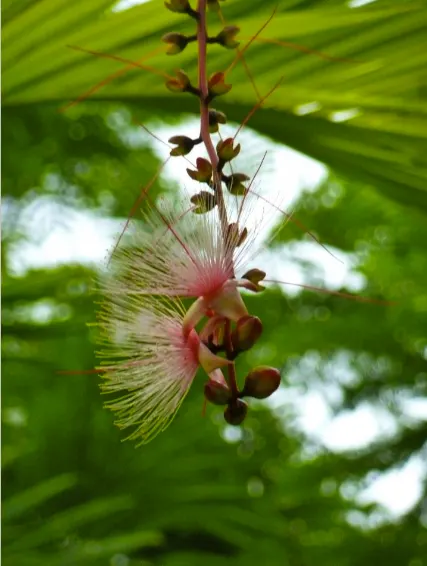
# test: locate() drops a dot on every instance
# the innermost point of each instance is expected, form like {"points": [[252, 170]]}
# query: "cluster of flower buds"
{"points": [[260, 383]]}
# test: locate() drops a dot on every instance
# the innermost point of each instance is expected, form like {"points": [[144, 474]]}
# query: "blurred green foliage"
{"points": [[73, 494]]}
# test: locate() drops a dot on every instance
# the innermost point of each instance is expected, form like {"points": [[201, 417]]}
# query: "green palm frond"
{"points": [[364, 116]]}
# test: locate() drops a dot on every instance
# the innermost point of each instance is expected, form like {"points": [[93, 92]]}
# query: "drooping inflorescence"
{"points": [[151, 346]]}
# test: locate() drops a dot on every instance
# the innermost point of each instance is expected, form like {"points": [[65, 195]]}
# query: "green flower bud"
{"points": [[178, 6], [217, 393], [216, 118], [255, 276], [183, 145], [213, 5], [226, 151], [177, 42], [234, 184], [204, 201], [261, 382], [236, 412], [248, 330], [217, 85], [204, 171], [181, 83], [226, 37]]}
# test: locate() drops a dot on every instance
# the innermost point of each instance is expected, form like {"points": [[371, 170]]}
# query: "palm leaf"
{"points": [[368, 115]]}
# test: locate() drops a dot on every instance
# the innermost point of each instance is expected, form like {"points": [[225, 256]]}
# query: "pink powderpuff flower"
{"points": [[177, 253], [147, 356]]}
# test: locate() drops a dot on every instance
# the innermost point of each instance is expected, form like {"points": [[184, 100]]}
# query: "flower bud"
{"points": [[248, 330], [242, 237], [226, 151], [204, 171], [204, 201], [217, 393], [226, 37], [213, 5], [215, 118], [236, 412], [234, 184], [255, 276], [178, 6], [261, 382], [234, 237], [183, 145], [217, 85], [177, 42], [180, 84]]}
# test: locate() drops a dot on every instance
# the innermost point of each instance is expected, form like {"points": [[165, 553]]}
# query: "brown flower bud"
{"points": [[261, 382], [204, 171], [217, 85], [177, 42], [232, 234], [226, 37], [234, 237], [216, 118], [236, 412], [255, 276], [184, 145], [242, 237], [248, 330], [217, 393], [226, 151], [234, 184], [204, 201], [178, 6]]}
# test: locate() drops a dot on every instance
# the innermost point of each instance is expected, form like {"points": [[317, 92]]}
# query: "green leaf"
{"points": [[27, 500], [377, 90]]}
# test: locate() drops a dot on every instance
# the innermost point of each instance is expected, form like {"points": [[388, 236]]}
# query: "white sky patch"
{"points": [[86, 240], [308, 108], [353, 430], [282, 265], [359, 3], [344, 115], [399, 489], [123, 5], [415, 408]]}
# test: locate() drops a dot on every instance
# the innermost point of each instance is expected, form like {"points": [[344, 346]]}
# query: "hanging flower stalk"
{"points": [[152, 347]]}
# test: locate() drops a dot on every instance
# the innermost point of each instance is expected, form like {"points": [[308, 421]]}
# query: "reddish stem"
{"points": [[206, 137], [231, 368], [204, 112]]}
